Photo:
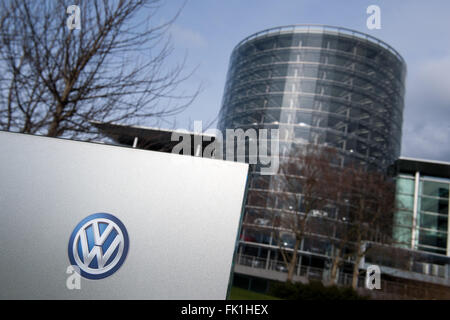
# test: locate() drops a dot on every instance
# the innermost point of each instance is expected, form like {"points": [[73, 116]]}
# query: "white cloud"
{"points": [[188, 38]]}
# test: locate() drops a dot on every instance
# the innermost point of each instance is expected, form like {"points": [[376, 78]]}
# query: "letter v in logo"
{"points": [[98, 245]]}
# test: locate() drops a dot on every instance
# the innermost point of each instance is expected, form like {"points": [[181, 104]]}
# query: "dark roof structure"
{"points": [[425, 167], [149, 138]]}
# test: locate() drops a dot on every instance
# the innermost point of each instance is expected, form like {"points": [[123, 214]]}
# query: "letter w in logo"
{"points": [[98, 240]]}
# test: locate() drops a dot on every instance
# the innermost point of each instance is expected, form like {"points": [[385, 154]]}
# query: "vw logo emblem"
{"points": [[98, 245]]}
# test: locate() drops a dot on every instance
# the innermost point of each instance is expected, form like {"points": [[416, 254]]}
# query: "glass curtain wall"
{"points": [[319, 86], [432, 216], [428, 231], [316, 84]]}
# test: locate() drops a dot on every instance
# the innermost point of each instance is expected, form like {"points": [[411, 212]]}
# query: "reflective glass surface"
{"points": [[324, 87], [320, 87]]}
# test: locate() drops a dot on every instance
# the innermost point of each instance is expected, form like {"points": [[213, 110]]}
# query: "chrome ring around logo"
{"points": [[98, 245]]}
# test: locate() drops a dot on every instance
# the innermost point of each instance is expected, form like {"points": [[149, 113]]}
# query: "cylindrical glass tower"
{"points": [[322, 85], [316, 84]]}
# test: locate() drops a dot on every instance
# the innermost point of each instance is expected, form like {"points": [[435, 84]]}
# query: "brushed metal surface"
{"points": [[182, 215]]}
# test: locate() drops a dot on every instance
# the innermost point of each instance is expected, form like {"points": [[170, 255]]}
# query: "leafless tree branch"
{"points": [[114, 69]]}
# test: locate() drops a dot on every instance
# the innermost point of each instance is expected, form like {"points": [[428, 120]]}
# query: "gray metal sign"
{"points": [[92, 221]]}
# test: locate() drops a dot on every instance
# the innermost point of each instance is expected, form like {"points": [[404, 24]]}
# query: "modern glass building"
{"points": [[319, 84], [422, 220]]}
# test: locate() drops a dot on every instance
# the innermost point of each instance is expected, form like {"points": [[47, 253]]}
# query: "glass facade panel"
{"points": [[405, 202], [432, 238], [432, 221], [403, 218], [435, 189], [405, 185], [434, 205], [402, 236]]}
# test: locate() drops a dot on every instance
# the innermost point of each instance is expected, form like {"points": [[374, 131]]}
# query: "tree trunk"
{"points": [[335, 266], [293, 262], [54, 125], [358, 258], [355, 274]]}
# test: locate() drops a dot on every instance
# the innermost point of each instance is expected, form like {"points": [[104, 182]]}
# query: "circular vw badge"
{"points": [[98, 245]]}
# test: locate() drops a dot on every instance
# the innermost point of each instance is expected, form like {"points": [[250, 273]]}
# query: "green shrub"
{"points": [[315, 290]]}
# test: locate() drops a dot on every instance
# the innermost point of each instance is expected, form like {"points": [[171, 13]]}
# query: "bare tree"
{"points": [[303, 181], [339, 254], [349, 206], [55, 80], [370, 197]]}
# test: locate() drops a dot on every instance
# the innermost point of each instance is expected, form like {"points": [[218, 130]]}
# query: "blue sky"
{"points": [[208, 30]]}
